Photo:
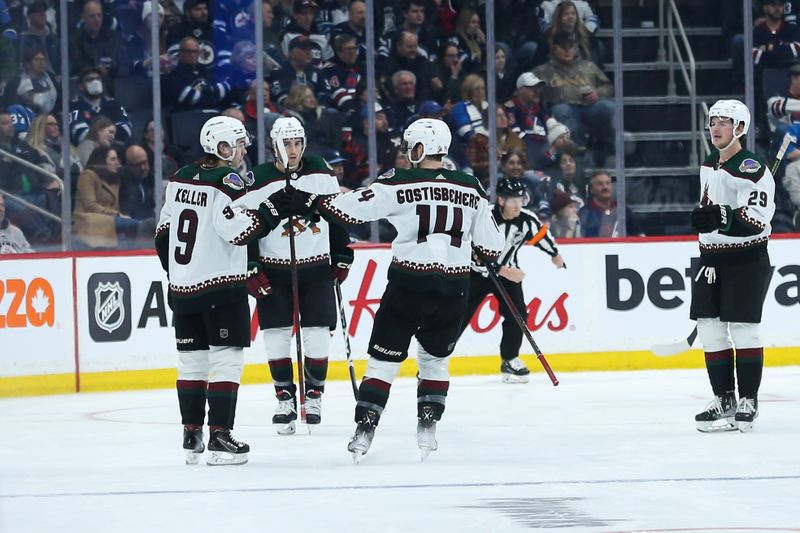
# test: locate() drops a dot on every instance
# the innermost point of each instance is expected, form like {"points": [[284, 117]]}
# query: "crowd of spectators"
{"points": [[554, 116]]}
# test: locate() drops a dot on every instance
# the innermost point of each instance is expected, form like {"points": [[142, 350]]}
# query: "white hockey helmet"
{"points": [[221, 129], [283, 129], [734, 110], [432, 133]]}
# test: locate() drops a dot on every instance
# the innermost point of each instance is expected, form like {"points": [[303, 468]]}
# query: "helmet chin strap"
{"points": [[735, 137]]}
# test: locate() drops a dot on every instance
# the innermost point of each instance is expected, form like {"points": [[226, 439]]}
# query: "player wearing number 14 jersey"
{"points": [[201, 241], [440, 216], [737, 202]]}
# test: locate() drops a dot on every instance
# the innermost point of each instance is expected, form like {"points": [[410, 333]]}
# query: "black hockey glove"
{"points": [[257, 282], [274, 208], [340, 267], [711, 217], [301, 203]]}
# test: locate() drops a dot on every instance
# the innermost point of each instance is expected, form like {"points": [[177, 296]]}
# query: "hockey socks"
{"points": [[431, 394], [315, 371], [222, 397], [192, 401], [749, 367], [373, 394], [720, 371], [281, 370]]}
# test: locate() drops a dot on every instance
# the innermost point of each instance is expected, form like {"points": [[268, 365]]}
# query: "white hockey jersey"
{"points": [[201, 241], [312, 234], [745, 184], [439, 215]]}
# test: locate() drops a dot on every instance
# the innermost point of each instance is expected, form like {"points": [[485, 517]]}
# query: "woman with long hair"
{"points": [[471, 41], [467, 114], [478, 146], [44, 136], [321, 128], [102, 132], [565, 18]]}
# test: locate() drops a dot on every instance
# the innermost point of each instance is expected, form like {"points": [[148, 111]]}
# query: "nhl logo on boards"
{"points": [[109, 306]]}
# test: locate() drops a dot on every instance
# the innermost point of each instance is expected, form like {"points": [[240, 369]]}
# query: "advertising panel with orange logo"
{"points": [[36, 317]]}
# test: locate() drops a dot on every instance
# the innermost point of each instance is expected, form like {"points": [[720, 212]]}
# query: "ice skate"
{"points": [[193, 444], [718, 415], [286, 414], [426, 433], [515, 371], [226, 450], [746, 414], [313, 408], [362, 439]]}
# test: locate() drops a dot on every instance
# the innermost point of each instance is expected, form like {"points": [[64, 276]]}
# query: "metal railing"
{"points": [[689, 72], [27, 164]]}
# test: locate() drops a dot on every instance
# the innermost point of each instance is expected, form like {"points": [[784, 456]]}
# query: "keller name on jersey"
{"points": [[438, 194], [191, 197]]}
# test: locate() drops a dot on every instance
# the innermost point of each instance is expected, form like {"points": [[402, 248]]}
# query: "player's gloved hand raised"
{"points": [[274, 208], [257, 282], [340, 267], [301, 203], [710, 218]]}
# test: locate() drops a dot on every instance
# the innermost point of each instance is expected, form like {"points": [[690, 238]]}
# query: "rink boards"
{"points": [[89, 321]]}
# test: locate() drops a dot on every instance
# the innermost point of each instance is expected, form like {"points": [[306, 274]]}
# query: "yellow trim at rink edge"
{"points": [[337, 370]]}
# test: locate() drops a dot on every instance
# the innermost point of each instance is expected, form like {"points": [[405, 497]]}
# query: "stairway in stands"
{"points": [[662, 183]]}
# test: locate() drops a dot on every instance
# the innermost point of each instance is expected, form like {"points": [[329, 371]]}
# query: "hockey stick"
{"points": [[674, 348], [490, 268], [301, 386], [343, 321]]}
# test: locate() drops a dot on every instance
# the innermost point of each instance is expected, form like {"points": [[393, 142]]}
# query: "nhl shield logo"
{"points": [[108, 309]]}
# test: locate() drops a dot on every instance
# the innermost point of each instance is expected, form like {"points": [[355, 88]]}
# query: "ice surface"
{"points": [[602, 452]]}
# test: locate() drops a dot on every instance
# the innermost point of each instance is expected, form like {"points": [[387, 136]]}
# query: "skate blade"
{"points": [[424, 452], [745, 427], [226, 458], [717, 426], [192, 458], [511, 378], [286, 429]]}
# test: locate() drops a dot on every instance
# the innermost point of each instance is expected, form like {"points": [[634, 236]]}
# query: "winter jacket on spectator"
{"points": [[428, 44], [599, 222], [528, 121], [778, 48], [104, 51], [564, 81], [282, 80], [324, 51], [82, 112], [215, 46], [467, 120], [96, 206], [341, 80], [421, 67], [192, 87]]}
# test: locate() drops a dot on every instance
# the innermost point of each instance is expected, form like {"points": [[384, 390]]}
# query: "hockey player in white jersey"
{"points": [[322, 257], [518, 226], [440, 216], [736, 205], [201, 241]]}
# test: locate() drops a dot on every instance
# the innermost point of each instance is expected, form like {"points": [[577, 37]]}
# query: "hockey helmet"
{"points": [[284, 129], [221, 129], [734, 110], [433, 134], [511, 188]]}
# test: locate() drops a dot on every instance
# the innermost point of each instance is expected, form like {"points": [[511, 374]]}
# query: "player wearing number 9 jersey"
{"points": [[201, 241], [737, 202], [440, 216]]}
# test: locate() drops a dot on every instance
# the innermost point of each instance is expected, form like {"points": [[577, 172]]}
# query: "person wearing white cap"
{"points": [[139, 53], [530, 117]]}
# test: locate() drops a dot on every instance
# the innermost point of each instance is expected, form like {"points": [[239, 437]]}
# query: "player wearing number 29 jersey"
{"points": [[440, 216]]}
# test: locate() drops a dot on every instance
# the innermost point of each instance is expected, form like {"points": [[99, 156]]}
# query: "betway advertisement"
{"points": [[612, 297]]}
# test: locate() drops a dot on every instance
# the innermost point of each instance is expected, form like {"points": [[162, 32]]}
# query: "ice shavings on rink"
{"points": [[602, 452]]}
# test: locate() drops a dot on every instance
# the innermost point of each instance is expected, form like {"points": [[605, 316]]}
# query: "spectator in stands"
{"points": [[565, 223], [342, 74], [356, 147], [583, 9], [170, 155], [139, 50], [599, 216], [45, 137], [579, 93], [520, 32], [404, 103], [355, 26], [467, 115], [91, 102], [251, 108], [336, 161], [213, 44], [12, 240], [570, 178], [95, 45], [406, 56], [471, 41], [775, 43], [413, 23], [478, 146], [302, 23], [528, 115], [448, 76], [136, 185], [271, 42], [97, 221], [514, 165], [505, 84], [565, 18], [101, 133], [242, 70], [40, 35], [35, 87], [190, 85], [298, 71], [322, 130]]}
